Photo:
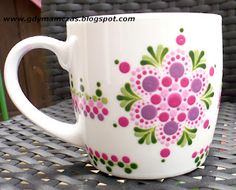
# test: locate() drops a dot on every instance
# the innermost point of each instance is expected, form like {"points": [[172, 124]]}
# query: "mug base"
{"points": [[146, 176]]}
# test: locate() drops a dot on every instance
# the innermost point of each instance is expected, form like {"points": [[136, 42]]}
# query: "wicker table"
{"points": [[32, 159]]}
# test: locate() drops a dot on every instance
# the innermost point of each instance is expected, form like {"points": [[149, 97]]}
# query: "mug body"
{"points": [[146, 93]]}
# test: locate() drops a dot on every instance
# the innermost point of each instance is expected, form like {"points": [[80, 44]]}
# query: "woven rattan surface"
{"points": [[32, 159], [58, 81]]}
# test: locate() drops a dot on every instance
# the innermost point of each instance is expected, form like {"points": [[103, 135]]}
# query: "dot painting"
{"points": [[200, 155], [167, 96], [93, 107], [111, 161]]}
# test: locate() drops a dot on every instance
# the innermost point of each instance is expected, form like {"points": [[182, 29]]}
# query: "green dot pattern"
{"points": [[133, 165], [121, 164], [102, 161], [110, 163], [109, 169], [128, 170], [98, 84], [116, 61], [98, 92]]}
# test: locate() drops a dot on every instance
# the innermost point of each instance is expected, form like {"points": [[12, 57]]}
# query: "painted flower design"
{"points": [[200, 156], [93, 106], [111, 161], [167, 96]]}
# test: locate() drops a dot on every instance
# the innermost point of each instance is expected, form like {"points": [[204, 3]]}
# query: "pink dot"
{"points": [[166, 81], [194, 154], [100, 117], [211, 72], [164, 116], [191, 100], [95, 110], [180, 40], [90, 151], [139, 76], [206, 124], [126, 159], [97, 154], [155, 99], [91, 115], [99, 104], [184, 82], [124, 67], [181, 117], [174, 100], [114, 158], [176, 70], [105, 111], [201, 151], [104, 156], [123, 121], [165, 152], [88, 109], [91, 103]]}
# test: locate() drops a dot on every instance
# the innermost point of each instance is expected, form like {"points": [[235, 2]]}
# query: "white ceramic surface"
{"points": [[145, 93]]}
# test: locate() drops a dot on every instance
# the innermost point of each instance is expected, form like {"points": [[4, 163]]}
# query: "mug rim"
{"points": [[152, 15]]}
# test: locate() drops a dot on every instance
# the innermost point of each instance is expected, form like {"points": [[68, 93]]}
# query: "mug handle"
{"points": [[71, 133]]}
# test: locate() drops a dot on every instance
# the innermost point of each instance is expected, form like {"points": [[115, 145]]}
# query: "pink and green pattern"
{"points": [[167, 96], [110, 161], [93, 106], [199, 156]]}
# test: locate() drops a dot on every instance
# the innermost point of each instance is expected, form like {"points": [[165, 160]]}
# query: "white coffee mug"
{"points": [[145, 93]]}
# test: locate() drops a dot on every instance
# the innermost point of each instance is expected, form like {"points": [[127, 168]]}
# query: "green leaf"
{"points": [[143, 138], [194, 130], [191, 54], [187, 137], [181, 140], [153, 138], [145, 135], [198, 60], [163, 54], [128, 88], [140, 130], [207, 96], [129, 105], [200, 56], [128, 97], [146, 60], [150, 50], [155, 58]]}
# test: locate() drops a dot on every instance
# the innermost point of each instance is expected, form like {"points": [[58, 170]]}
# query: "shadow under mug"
{"points": [[145, 93]]}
